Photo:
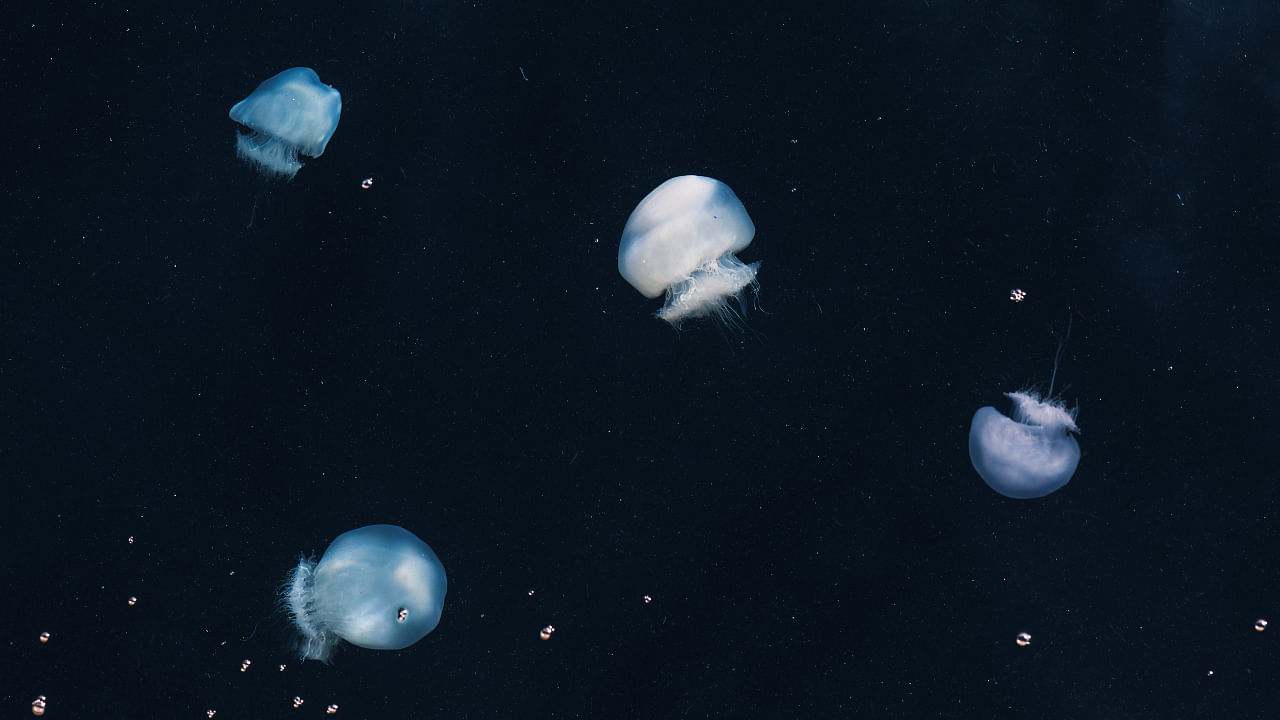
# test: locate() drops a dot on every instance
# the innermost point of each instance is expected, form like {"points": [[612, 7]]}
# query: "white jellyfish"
{"points": [[1031, 454], [378, 587], [290, 113], [681, 240]]}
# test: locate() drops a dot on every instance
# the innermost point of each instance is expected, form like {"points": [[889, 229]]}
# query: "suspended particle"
{"points": [[281, 668], [546, 632], [647, 599], [297, 701], [331, 709], [133, 600], [530, 593], [1023, 639], [44, 637], [1017, 294], [1260, 625], [366, 183], [130, 539], [38, 706], [402, 614], [244, 665], [210, 713]]}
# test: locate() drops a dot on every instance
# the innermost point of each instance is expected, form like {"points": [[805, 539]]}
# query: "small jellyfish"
{"points": [[681, 240], [378, 587], [1030, 454], [290, 113]]}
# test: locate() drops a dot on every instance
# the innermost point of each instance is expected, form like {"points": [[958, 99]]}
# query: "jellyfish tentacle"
{"points": [[1058, 355]]}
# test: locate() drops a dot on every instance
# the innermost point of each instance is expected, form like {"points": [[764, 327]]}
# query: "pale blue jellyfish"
{"points": [[1032, 453], [681, 240], [378, 587], [1029, 455], [290, 113]]}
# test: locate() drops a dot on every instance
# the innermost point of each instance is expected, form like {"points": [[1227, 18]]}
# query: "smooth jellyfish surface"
{"points": [[378, 587], [290, 113], [1029, 455], [681, 240]]}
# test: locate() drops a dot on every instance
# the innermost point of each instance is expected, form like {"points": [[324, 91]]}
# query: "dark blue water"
{"points": [[233, 372]]}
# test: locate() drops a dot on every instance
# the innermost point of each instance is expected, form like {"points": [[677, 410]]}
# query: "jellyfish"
{"points": [[1029, 455], [290, 113], [681, 240], [377, 587], [1032, 453]]}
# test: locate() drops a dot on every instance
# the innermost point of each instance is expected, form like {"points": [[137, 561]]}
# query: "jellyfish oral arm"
{"points": [[708, 289]]}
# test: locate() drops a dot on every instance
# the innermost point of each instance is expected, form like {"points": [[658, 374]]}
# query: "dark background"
{"points": [[233, 372]]}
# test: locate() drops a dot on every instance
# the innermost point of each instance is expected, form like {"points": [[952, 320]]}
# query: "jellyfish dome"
{"points": [[681, 240], [290, 113], [378, 587], [1029, 455]]}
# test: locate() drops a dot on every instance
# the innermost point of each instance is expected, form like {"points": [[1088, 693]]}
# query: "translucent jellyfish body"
{"points": [[290, 113], [681, 240], [1029, 455], [378, 587]]}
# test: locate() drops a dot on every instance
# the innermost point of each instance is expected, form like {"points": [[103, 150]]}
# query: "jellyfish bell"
{"points": [[290, 113], [680, 240], [377, 587], [1028, 455]]}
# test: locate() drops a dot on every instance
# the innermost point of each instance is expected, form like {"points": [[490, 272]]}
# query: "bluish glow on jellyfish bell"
{"points": [[1028, 455], [681, 240], [378, 587], [290, 113]]}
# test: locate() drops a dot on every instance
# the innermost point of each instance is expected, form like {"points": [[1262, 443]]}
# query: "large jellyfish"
{"points": [[378, 587], [290, 113], [681, 240], [1031, 454]]}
